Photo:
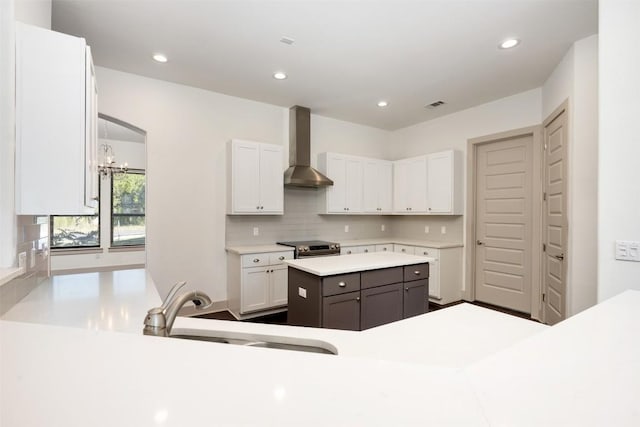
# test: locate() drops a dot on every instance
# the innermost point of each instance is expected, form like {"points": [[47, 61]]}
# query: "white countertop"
{"points": [[463, 365], [330, 265], [257, 249], [400, 241]]}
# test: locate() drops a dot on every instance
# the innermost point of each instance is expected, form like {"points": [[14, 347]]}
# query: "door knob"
{"points": [[479, 242], [560, 257]]}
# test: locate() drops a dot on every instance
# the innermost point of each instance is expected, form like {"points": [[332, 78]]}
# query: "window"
{"points": [[128, 209], [75, 231]]}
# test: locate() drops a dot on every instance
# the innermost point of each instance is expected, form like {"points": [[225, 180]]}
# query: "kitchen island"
{"points": [[463, 365], [357, 292]]}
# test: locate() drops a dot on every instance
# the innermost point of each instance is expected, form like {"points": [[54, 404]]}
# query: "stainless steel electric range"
{"points": [[313, 248]]}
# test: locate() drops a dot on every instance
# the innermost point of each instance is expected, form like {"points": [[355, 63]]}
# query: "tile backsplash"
{"points": [[301, 221], [33, 240]]}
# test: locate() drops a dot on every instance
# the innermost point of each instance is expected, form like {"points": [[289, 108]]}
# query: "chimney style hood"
{"points": [[300, 172]]}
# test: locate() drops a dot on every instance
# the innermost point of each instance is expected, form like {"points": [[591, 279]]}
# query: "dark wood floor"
{"points": [[281, 318]]}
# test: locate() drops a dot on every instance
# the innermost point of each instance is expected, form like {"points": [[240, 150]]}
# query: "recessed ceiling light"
{"points": [[382, 103], [509, 43], [279, 75], [158, 57]]}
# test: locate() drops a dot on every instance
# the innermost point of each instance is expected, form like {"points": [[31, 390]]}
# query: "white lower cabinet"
{"points": [[257, 282], [384, 248], [348, 250], [445, 273]]}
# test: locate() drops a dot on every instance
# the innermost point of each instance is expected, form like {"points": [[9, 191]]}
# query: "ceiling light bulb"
{"points": [[509, 43], [158, 57], [279, 75], [382, 103]]}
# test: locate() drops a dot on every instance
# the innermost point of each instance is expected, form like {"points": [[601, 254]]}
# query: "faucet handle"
{"points": [[172, 293]]}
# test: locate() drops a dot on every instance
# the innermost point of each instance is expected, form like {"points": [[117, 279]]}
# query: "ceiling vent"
{"points": [[434, 104]]}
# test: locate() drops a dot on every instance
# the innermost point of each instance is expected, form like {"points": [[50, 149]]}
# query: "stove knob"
{"points": [[305, 249]]}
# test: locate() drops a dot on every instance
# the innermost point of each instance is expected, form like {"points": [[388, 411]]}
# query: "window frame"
{"points": [[112, 215], [74, 248]]}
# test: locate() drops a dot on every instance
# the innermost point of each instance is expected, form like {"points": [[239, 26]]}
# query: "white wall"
{"points": [[34, 12], [187, 130], [619, 148]]}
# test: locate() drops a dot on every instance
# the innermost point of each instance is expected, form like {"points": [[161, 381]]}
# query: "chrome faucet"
{"points": [[159, 320]]}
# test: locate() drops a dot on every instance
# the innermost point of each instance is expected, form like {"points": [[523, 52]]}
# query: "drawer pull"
{"points": [[403, 250], [342, 284], [256, 260], [425, 253], [358, 299], [417, 272], [366, 251], [406, 289], [281, 258]]}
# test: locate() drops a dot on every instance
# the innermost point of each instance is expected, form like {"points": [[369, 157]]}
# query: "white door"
{"points": [[271, 179], [503, 215], [246, 175], [555, 218], [400, 184], [440, 182], [255, 289], [336, 170]]}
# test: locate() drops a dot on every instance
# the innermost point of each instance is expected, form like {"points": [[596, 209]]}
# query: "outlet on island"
{"points": [[346, 228]]}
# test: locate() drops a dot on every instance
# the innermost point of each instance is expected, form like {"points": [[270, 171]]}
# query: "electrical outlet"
{"points": [[346, 228], [426, 229], [443, 229], [256, 231], [627, 250], [382, 227]]}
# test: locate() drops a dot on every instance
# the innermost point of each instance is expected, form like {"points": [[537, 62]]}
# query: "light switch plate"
{"points": [[256, 231], [426, 229], [382, 227], [628, 250], [443, 229], [346, 228]]}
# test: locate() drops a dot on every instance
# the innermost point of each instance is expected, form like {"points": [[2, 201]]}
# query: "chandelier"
{"points": [[107, 165]]}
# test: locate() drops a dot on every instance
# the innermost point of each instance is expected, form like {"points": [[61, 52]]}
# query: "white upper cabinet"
{"points": [[346, 172], [410, 185], [444, 183], [378, 186], [56, 131], [254, 178]]}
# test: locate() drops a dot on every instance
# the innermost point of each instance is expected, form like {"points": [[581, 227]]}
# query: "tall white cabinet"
{"points": [[345, 195], [56, 124], [410, 185], [254, 178], [444, 183], [377, 186]]}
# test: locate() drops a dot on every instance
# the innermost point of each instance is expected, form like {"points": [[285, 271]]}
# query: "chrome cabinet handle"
{"points": [[366, 251], [417, 272], [479, 242], [358, 299], [406, 289], [384, 249], [425, 253], [403, 250], [342, 284], [256, 260], [348, 252], [560, 257], [281, 258]]}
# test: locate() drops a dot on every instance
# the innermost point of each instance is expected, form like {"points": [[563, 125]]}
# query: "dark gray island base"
{"points": [[357, 301]]}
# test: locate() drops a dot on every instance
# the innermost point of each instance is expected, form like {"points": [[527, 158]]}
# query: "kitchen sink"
{"points": [[256, 340]]}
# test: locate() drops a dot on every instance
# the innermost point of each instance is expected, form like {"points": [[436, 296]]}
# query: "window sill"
{"points": [[75, 251], [127, 249]]}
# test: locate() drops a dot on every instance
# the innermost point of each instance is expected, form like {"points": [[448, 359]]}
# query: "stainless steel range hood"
{"points": [[300, 172]]}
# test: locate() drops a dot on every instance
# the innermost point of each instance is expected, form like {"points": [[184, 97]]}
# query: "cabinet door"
{"points": [[336, 170], [415, 298], [255, 289], [434, 280], [416, 185], [384, 248], [404, 249], [271, 182], [385, 187], [440, 182], [91, 135], [370, 186], [381, 305], [278, 286], [50, 123], [245, 187], [341, 311], [400, 184], [353, 189]]}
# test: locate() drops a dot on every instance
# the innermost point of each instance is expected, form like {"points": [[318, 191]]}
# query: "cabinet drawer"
{"points": [[255, 260], [340, 284], [276, 258], [385, 276], [384, 248], [422, 251], [403, 249], [416, 272]]}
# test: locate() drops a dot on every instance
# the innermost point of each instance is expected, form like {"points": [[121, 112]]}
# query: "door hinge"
{"points": [[544, 196], [543, 297], [545, 147], [544, 247]]}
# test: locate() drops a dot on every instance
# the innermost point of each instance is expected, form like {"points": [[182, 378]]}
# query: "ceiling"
{"points": [[347, 55]]}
